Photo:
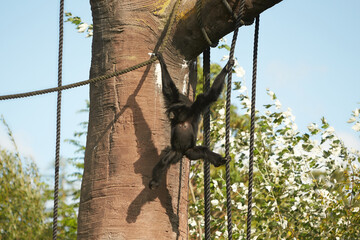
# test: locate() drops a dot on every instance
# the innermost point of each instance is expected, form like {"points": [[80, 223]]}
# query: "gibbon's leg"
{"points": [[205, 153], [167, 157]]}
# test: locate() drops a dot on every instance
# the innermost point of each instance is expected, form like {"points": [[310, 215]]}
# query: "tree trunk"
{"points": [[127, 124]]}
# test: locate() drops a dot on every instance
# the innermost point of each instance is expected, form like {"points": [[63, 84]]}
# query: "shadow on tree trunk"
{"points": [[147, 151]]}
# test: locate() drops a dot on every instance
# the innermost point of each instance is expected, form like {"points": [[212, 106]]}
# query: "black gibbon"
{"points": [[184, 116]]}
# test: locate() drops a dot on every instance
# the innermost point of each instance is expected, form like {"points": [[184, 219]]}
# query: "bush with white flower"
{"points": [[306, 185]]}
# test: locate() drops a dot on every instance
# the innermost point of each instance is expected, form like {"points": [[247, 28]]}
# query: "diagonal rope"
{"points": [[252, 128], [58, 121], [206, 122], [103, 77]]}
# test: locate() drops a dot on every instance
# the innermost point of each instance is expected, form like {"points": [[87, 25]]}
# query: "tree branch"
{"points": [[217, 21]]}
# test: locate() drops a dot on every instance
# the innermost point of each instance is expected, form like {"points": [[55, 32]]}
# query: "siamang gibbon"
{"points": [[184, 117]]}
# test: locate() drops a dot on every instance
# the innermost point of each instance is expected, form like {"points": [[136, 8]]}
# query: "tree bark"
{"points": [[127, 124], [217, 21]]}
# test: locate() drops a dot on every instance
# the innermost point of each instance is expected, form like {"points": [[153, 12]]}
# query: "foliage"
{"points": [[306, 185], [355, 119], [24, 197], [80, 25], [22, 202]]}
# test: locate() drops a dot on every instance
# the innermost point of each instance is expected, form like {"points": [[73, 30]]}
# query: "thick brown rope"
{"points": [[58, 121], [252, 128], [206, 122], [103, 77]]}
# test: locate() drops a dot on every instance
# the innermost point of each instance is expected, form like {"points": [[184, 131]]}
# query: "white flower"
{"points": [[234, 187], [351, 120], [240, 206], [239, 71], [218, 233], [305, 179], [291, 179], [330, 130], [214, 202], [284, 224], [312, 127], [293, 208], [340, 221], [356, 127], [222, 112], [324, 193], [224, 58], [82, 27], [192, 222], [356, 209], [268, 188], [271, 94], [356, 112], [242, 89], [277, 104], [215, 183]]}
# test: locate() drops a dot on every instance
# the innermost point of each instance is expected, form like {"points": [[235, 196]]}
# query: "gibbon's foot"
{"points": [[215, 158], [153, 184], [219, 161]]}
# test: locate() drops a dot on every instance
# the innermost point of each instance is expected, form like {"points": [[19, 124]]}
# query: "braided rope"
{"points": [[58, 121], [227, 131], [103, 77], [252, 128], [206, 122], [200, 22]]}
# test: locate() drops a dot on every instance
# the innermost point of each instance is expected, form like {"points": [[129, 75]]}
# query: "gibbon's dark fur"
{"points": [[184, 117]]}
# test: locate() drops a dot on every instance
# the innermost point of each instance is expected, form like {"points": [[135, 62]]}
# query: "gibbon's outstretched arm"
{"points": [[204, 100], [169, 89]]}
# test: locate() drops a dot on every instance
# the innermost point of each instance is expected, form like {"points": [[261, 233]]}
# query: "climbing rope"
{"points": [[58, 121], [206, 65], [227, 123], [103, 77], [206, 122], [252, 128]]}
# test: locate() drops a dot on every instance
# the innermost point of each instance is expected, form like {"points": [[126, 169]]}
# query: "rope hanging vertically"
{"points": [[227, 124], [206, 122], [58, 121], [252, 128]]}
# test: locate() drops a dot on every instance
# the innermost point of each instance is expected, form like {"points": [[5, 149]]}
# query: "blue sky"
{"points": [[308, 55]]}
